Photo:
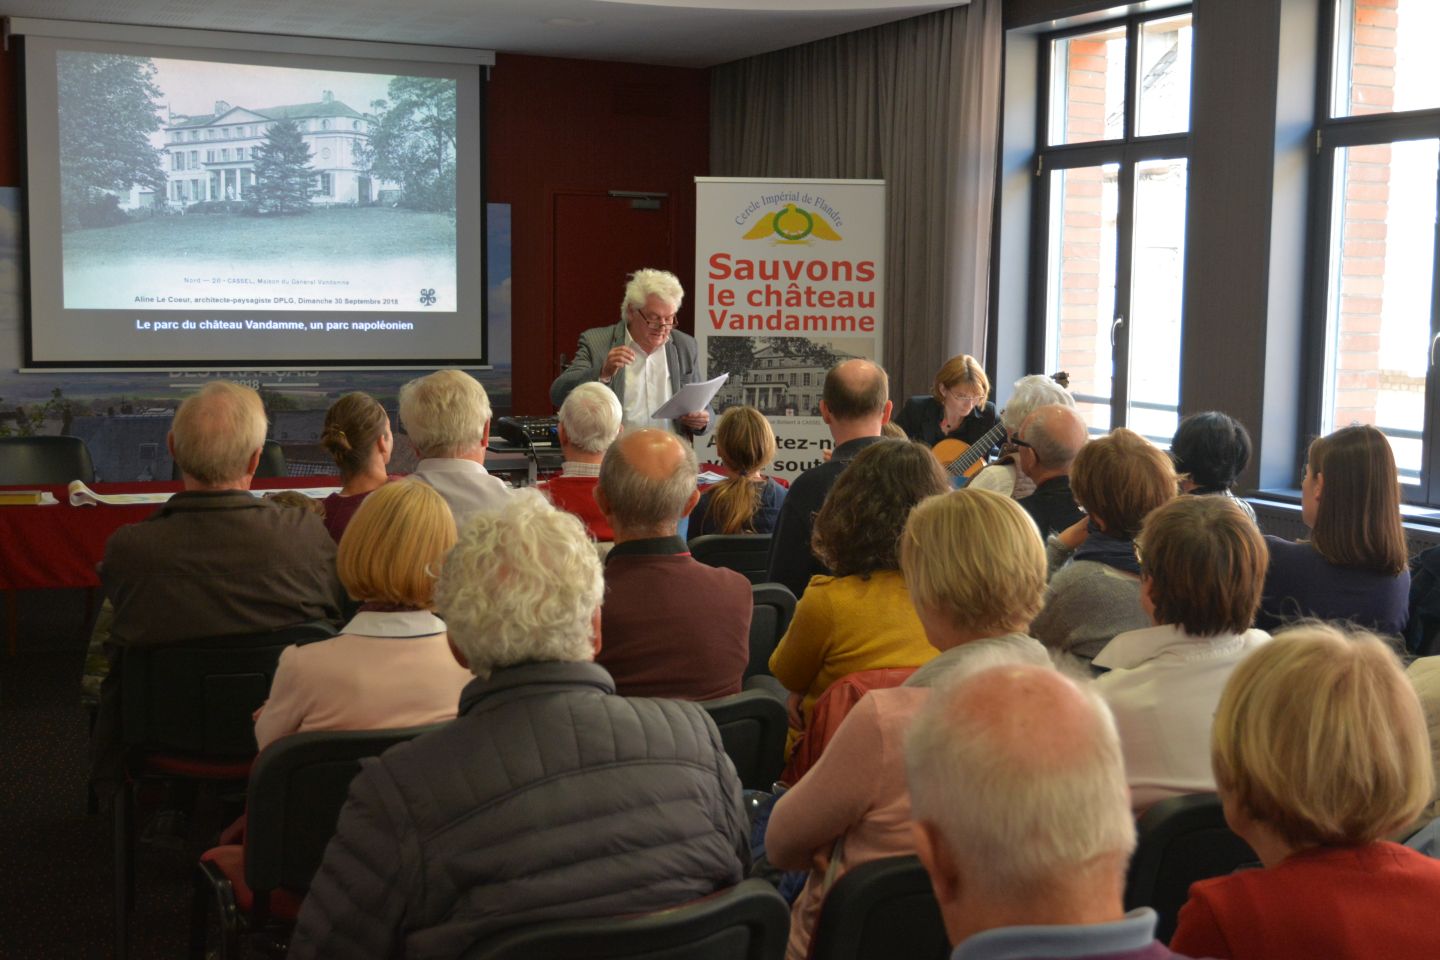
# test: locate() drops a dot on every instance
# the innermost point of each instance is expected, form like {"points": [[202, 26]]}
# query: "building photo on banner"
{"points": [[789, 281]]}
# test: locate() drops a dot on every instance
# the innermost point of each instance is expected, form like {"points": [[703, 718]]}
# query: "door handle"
{"points": [[1114, 327], [1432, 348]]}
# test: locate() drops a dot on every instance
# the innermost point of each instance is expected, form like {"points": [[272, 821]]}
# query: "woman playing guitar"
{"points": [[955, 410]]}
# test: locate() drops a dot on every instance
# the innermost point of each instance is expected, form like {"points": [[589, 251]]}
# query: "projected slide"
{"points": [[255, 187], [190, 206]]}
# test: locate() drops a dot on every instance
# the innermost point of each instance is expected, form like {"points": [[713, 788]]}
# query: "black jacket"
{"points": [[548, 797]]}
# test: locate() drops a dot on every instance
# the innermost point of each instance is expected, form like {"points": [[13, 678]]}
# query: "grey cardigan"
{"points": [[1086, 604]]}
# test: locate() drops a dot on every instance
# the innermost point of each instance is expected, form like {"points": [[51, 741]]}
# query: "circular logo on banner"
{"points": [[793, 225]]}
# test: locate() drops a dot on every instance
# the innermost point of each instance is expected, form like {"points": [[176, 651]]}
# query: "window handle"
{"points": [[1119, 322], [1432, 348]]}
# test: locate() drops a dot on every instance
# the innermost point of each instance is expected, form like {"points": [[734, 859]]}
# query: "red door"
{"points": [[599, 240]]}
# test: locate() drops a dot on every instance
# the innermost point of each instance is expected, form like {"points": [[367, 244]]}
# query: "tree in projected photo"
{"points": [[414, 141], [284, 178], [109, 106]]}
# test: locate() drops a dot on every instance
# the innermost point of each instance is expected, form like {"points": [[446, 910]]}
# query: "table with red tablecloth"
{"points": [[57, 545]]}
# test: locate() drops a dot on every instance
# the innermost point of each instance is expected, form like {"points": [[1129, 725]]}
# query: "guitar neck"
{"points": [[977, 450]]}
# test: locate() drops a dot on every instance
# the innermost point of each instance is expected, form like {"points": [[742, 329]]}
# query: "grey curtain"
{"points": [[917, 104]]}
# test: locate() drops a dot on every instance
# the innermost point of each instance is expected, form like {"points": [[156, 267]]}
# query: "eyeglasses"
{"points": [[1021, 443], [973, 400], [655, 323]]}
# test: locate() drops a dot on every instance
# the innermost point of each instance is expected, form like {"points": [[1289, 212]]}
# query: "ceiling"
{"points": [[686, 33]]}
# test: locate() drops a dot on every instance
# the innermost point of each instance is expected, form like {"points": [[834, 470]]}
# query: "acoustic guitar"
{"points": [[962, 459]]}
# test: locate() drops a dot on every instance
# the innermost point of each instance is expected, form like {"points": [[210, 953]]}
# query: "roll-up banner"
{"points": [[790, 281]]}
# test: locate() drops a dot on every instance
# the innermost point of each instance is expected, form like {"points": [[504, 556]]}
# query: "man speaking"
{"points": [[643, 358]]}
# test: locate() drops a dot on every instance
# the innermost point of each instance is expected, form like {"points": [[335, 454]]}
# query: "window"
{"points": [[1109, 255], [326, 184], [1373, 268]]}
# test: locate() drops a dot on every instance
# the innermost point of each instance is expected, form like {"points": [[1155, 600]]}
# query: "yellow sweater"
{"points": [[843, 625]]}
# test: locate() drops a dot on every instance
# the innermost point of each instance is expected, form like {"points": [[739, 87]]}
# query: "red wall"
{"points": [[552, 124], [585, 124], [9, 121]]}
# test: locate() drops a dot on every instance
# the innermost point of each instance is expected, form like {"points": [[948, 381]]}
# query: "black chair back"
{"points": [[747, 553], [272, 462], [297, 787], [1181, 840], [199, 697], [44, 461], [749, 921], [773, 611], [752, 727], [878, 910]]}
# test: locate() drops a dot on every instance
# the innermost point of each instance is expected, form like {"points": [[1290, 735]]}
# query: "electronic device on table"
{"points": [[529, 433]]}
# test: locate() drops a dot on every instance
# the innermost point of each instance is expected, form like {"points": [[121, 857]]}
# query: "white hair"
{"points": [[216, 432], [648, 283], [445, 413], [1031, 392], [591, 417], [1017, 823], [521, 585]]}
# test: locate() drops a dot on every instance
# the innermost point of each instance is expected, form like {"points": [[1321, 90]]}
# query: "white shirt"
{"points": [[466, 486], [647, 387], [1163, 687]]}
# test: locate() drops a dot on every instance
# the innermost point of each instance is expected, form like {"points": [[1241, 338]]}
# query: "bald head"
{"points": [[1055, 435], [856, 390], [647, 483], [1038, 761]]}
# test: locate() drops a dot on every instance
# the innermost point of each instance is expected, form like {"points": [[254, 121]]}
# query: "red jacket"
{"points": [[1335, 903], [577, 495]]}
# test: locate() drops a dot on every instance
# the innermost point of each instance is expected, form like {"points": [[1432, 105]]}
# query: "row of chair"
{"points": [[880, 909], [186, 716], [49, 461]]}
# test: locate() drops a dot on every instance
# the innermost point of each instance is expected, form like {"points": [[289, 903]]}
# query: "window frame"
{"points": [[1331, 134], [1128, 151]]}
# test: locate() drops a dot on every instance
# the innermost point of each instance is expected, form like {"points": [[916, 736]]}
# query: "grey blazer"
{"points": [[596, 343]]}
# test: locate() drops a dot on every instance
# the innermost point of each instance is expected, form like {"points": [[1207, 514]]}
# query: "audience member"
{"points": [[673, 626], [1031, 392], [589, 422], [447, 415], [357, 434], [975, 569], [644, 359], [1094, 590], [391, 665], [746, 501], [956, 408], [296, 500], [1210, 449], [1424, 675], [212, 561], [549, 797], [855, 405], [861, 617], [1320, 753], [1023, 821], [1202, 564], [1047, 444], [1353, 567]]}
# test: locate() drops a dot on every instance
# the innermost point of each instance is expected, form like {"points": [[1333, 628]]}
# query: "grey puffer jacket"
{"points": [[548, 797]]}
